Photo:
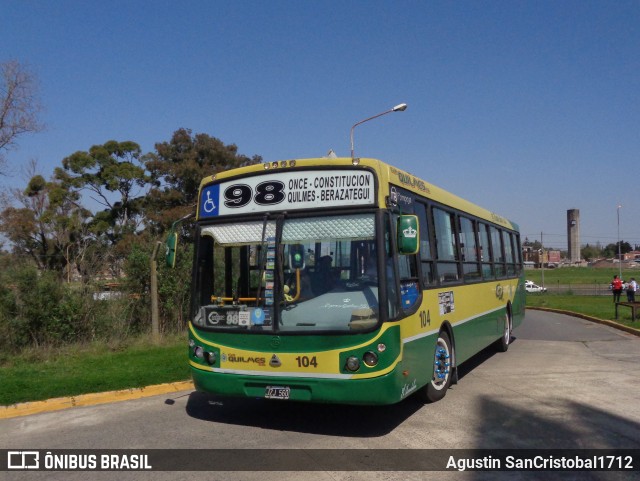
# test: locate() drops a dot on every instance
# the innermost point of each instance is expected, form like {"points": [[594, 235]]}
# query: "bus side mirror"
{"points": [[296, 253], [408, 237], [171, 245]]}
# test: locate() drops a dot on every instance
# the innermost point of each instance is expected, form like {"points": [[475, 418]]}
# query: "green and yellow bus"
{"points": [[345, 281]]}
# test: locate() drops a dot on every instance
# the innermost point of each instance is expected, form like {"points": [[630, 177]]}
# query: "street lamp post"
{"points": [[619, 245], [397, 108], [542, 263]]}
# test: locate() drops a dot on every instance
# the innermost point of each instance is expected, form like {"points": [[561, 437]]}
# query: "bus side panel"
{"points": [[476, 334], [417, 364], [519, 304]]}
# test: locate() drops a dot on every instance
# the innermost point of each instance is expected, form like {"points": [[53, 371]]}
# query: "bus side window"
{"points": [[497, 251], [446, 246], [469, 249], [485, 251], [407, 234], [426, 256], [409, 282], [518, 252], [507, 239]]}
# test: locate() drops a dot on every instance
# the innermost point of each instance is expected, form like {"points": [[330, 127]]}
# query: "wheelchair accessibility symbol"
{"points": [[208, 206], [209, 200]]}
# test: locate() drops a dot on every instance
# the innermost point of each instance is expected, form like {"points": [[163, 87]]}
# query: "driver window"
{"points": [[409, 280]]}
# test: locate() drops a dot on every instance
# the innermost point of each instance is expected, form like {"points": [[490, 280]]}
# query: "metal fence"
{"points": [[595, 289]]}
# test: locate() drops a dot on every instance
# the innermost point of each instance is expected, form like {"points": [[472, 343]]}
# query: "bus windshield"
{"points": [[296, 274]]}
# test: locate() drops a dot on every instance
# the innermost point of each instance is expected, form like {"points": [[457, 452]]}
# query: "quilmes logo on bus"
{"points": [[237, 358], [410, 180], [289, 190]]}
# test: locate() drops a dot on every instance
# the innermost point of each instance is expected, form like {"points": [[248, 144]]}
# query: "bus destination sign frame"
{"points": [[288, 191]]}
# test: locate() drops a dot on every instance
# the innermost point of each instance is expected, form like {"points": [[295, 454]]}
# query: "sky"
{"points": [[527, 108]]}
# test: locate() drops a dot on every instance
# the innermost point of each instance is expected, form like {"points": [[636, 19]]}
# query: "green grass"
{"points": [[601, 307], [39, 374], [578, 275]]}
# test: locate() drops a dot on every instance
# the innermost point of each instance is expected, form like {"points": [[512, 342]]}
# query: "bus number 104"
{"points": [[306, 361], [425, 319]]}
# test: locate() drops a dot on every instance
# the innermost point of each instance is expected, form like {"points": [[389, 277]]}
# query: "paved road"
{"points": [[564, 383]]}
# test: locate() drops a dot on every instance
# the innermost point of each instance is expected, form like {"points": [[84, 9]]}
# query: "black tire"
{"points": [[502, 344], [437, 388]]}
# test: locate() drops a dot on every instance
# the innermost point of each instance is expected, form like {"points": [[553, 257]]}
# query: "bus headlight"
{"points": [[353, 364], [210, 357], [198, 352], [370, 358]]}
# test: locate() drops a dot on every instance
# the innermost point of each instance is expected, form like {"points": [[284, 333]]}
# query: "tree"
{"points": [[611, 250], [110, 173], [176, 169], [44, 222], [19, 107], [535, 245], [590, 252]]}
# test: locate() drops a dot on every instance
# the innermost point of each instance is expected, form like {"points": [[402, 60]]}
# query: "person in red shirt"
{"points": [[616, 287]]}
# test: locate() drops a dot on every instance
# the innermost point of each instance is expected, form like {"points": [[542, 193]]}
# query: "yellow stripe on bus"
{"points": [[242, 361]]}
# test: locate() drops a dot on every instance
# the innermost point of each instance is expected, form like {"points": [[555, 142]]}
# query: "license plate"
{"points": [[277, 392]]}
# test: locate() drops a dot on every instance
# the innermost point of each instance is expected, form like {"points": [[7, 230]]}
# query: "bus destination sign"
{"points": [[288, 191]]}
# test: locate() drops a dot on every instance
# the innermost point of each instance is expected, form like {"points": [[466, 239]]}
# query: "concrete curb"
{"points": [[56, 404]]}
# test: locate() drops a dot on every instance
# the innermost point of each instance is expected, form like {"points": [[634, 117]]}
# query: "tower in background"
{"points": [[573, 235]]}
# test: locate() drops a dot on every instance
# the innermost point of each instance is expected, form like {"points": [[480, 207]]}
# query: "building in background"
{"points": [[541, 257], [573, 236]]}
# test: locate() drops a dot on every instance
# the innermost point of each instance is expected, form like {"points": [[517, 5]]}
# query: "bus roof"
{"points": [[387, 174]]}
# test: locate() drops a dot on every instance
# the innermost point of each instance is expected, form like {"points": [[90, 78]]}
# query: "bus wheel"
{"points": [[442, 370], [502, 344]]}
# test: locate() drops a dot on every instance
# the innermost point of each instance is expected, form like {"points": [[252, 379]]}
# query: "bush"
{"points": [[37, 308], [174, 291], [173, 287]]}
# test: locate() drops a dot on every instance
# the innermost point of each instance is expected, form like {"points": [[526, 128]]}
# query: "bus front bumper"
{"points": [[386, 389]]}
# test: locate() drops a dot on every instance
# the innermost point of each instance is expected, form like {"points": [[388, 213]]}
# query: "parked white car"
{"points": [[531, 287]]}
